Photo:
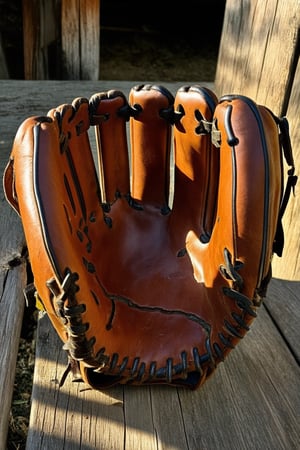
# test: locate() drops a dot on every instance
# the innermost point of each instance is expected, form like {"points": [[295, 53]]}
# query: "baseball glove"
{"points": [[151, 265]]}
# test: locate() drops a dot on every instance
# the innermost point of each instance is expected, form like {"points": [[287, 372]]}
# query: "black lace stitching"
{"points": [[230, 272], [81, 349]]}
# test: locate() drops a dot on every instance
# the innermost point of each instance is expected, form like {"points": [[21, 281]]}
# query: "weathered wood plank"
{"points": [[77, 415], [70, 38], [90, 39], [40, 29], [12, 281], [31, 39], [153, 418], [283, 304], [3, 65], [288, 267], [257, 50], [252, 401], [78, 23], [140, 428], [11, 235], [80, 28]]}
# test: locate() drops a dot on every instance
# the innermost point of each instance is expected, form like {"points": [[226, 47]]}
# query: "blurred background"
{"points": [[138, 40]]}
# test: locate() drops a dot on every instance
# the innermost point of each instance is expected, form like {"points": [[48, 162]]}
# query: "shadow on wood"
{"points": [[254, 393]]}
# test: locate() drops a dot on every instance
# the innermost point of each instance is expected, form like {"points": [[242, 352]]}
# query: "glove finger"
{"points": [[57, 189], [150, 132], [74, 122], [26, 196], [109, 112], [250, 189], [196, 164]]}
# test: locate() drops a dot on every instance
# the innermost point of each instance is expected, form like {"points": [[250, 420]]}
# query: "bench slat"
{"points": [[283, 304], [11, 314], [253, 399], [12, 282]]}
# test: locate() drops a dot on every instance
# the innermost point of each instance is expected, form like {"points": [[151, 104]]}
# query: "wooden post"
{"points": [[40, 37], [80, 30], [12, 281], [288, 267], [258, 57], [257, 50], [3, 66]]}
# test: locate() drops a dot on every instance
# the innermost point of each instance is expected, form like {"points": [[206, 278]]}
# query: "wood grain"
{"points": [[251, 401], [80, 28], [11, 314], [288, 267], [40, 30], [90, 39], [75, 24], [12, 282], [257, 50], [3, 65]]}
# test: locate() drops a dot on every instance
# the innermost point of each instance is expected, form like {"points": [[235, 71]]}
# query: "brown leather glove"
{"points": [[143, 286]]}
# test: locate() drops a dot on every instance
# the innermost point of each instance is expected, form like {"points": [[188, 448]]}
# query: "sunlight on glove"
{"points": [[151, 263]]}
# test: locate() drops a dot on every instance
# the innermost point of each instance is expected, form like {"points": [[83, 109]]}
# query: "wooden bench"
{"points": [[253, 399], [12, 279]]}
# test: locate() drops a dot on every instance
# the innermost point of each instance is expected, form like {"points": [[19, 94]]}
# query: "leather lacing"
{"points": [[230, 271], [81, 349]]}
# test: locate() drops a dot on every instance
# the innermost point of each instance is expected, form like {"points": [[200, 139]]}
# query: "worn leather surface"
{"points": [[165, 287]]}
